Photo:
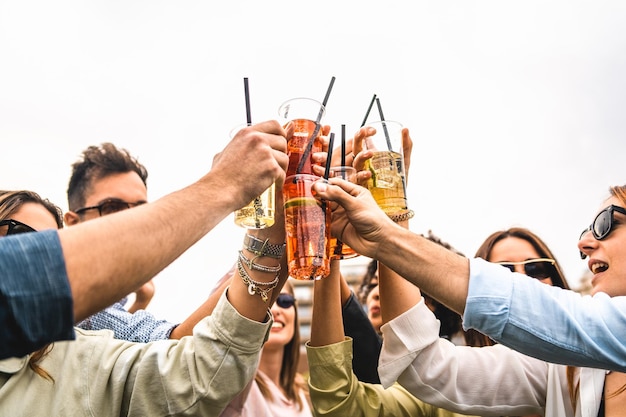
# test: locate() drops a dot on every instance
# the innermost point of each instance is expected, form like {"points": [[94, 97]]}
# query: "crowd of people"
{"points": [[429, 331]]}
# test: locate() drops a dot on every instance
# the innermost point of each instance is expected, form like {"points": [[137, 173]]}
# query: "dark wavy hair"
{"points": [[98, 162]]}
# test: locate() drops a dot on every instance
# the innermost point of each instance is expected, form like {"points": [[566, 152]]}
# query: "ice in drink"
{"points": [[307, 226], [297, 144], [387, 183], [259, 213]]}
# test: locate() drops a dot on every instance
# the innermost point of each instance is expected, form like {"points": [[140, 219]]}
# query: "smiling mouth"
{"points": [[276, 325], [599, 267]]}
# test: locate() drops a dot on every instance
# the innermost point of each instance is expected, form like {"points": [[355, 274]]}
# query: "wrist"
{"points": [[264, 247]]}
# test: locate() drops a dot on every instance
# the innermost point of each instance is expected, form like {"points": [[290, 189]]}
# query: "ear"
{"points": [[71, 218]]}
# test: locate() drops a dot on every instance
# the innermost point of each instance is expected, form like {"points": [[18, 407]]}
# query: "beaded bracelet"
{"points": [[257, 267], [263, 247], [254, 286], [409, 214]]}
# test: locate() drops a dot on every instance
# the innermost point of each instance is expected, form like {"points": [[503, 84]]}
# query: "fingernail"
{"points": [[321, 186]]}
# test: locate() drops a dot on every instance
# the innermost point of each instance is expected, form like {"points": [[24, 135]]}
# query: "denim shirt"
{"points": [[36, 306], [140, 326], [548, 323]]}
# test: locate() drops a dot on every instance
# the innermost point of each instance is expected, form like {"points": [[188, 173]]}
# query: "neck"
{"points": [[271, 363]]}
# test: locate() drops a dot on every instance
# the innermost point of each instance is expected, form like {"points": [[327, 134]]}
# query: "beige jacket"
{"points": [[97, 375]]}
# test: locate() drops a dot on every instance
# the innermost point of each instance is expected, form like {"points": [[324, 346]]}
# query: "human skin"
{"points": [[514, 249], [255, 152], [606, 258]]}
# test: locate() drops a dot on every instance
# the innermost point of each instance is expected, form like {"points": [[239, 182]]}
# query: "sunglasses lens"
{"points": [[285, 300], [602, 224], [539, 270], [12, 227], [18, 228], [509, 266], [111, 207]]}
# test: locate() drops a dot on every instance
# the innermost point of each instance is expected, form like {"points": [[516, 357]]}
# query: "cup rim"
{"points": [[319, 103]]}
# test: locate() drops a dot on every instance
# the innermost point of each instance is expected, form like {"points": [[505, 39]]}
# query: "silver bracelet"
{"points": [[254, 286], [409, 214], [257, 267], [263, 247]]}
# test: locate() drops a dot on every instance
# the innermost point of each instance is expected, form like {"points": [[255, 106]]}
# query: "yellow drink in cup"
{"points": [[259, 213], [388, 182]]}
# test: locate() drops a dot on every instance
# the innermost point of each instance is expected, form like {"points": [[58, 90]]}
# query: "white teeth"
{"points": [[278, 325], [599, 267]]}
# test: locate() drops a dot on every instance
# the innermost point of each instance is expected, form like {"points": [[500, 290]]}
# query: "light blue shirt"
{"points": [[36, 306], [545, 322], [140, 326]]}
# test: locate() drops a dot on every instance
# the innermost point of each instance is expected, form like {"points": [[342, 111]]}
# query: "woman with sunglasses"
{"points": [[277, 389], [517, 384], [519, 250], [579, 332]]}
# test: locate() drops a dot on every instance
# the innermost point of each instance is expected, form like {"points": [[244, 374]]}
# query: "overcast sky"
{"points": [[516, 109]]}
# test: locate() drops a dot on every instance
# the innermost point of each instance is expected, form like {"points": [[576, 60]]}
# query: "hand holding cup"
{"points": [[253, 160]]}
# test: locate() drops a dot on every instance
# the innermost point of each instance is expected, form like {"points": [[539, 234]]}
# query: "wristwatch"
{"points": [[263, 247]]}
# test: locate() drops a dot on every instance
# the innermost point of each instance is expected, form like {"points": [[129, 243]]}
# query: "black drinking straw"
{"points": [[343, 146], [309, 145], [330, 154], [257, 200], [247, 95], [367, 113], [382, 119]]}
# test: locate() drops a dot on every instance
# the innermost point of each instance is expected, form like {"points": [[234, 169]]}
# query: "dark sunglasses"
{"points": [[109, 207], [540, 268], [285, 300], [13, 227], [603, 224]]}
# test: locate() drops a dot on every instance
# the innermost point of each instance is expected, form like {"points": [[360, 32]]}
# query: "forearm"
{"points": [[512, 309], [326, 318], [130, 247], [436, 270]]}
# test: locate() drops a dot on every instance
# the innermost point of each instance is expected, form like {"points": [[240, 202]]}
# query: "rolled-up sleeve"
{"points": [[545, 322], [35, 296]]}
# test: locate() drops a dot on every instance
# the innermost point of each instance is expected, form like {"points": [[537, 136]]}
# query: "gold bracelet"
{"points": [[254, 286], [409, 214]]}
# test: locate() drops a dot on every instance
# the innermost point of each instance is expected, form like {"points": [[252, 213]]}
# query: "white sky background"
{"points": [[515, 108]]}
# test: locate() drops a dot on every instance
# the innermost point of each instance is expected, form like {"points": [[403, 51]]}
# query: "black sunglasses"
{"points": [[109, 207], [603, 224], [540, 268], [13, 227], [285, 300]]}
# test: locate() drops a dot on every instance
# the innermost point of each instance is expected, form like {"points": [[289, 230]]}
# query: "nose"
{"points": [[587, 244], [520, 269], [275, 310]]}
